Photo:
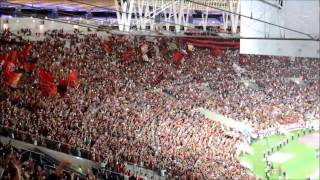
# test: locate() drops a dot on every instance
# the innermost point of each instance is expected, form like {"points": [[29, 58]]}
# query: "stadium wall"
{"points": [[36, 25], [298, 15]]}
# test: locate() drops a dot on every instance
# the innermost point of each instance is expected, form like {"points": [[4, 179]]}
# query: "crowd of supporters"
{"points": [[145, 112], [21, 164]]}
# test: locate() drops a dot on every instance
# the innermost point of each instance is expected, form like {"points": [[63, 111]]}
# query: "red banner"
{"points": [[213, 43]]}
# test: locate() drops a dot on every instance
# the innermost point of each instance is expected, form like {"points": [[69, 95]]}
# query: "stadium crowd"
{"points": [[145, 111]]}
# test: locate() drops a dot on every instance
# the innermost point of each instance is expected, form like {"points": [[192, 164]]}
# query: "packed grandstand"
{"points": [[99, 99], [159, 89]]}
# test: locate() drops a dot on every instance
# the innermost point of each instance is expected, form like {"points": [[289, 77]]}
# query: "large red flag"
{"points": [[13, 56], [52, 90], [45, 77], [46, 83], [8, 66], [73, 79], [12, 79], [177, 57]]}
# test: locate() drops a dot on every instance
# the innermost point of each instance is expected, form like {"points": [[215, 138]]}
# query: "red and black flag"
{"points": [[62, 87]]}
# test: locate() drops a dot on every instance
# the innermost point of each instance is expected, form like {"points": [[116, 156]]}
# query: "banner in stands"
{"points": [[293, 126], [283, 127], [267, 132], [213, 43]]}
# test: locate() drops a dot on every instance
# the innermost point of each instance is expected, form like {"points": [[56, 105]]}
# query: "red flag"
{"points": [[132, 52], [52, 90], [24, 54], [8, 66], [26, 50], [126, 58], [12, 79], [13, 56], [73, 79], [216, 52], [45, 77], [177, 57], [29, 67], [46, 83]]}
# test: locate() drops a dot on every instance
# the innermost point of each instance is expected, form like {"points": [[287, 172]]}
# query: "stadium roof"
{"points": [[87, 4]]}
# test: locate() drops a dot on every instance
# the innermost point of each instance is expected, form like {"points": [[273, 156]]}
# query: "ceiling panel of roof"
{"points": [[89, 4]]}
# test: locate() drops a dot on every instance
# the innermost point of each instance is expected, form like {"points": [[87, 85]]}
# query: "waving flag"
{"points": [[45, 77], [8, 66], [132, 52], [73, 79], [13, 56], [178, 57], [46, 83], [25, 54], [52, 90], [12, 79]]}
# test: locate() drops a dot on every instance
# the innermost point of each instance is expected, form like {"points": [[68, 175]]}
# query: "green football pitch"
{"points": [[301, 161]]}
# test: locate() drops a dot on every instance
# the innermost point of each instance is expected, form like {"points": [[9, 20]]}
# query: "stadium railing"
{"points": [[44, 142], [60, 147]]}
